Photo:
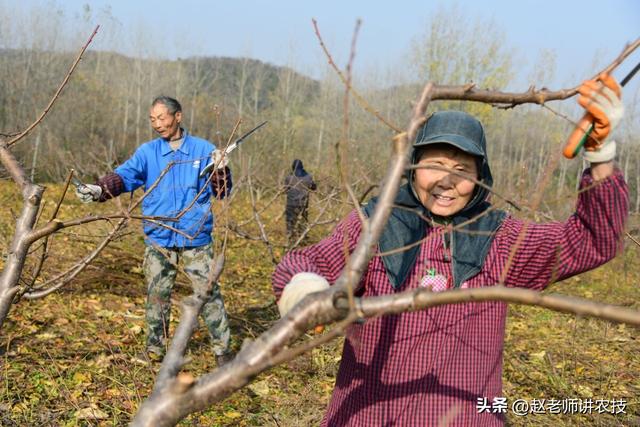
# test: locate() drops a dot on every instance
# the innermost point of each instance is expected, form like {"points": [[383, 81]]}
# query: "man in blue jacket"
{"points": [[178, 222]]}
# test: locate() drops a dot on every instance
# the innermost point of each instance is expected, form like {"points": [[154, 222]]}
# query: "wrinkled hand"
{"points": [[601, 99], [219, 159], [300, 285], [88, 193]]}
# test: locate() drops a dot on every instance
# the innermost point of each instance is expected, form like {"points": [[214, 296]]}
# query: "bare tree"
{"points": [[24, 235]]}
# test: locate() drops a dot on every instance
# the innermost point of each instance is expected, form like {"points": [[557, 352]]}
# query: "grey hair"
{"points": [[172, 104]]}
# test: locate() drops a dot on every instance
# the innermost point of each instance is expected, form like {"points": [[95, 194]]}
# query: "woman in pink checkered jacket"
{"points": [[432, 367]]}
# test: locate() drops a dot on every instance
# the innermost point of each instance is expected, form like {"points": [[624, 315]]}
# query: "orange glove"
{"points": [[601, 99]]}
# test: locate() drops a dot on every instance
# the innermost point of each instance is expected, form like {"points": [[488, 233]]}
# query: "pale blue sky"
{"points": [[277, 31]]}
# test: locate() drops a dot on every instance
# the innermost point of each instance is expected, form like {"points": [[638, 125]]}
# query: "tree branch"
{"points": [[421, 298], [363, 102], [470, 93], [57, 94], [64, 278]]}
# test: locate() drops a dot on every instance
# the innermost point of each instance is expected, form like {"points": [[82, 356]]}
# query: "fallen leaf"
{"points": [[91, 413], [539, 355], [584, 391], [46, 336], [103, 360], [560, 365], [261, 388], [81, 377], [232, 414], [108, 314]]}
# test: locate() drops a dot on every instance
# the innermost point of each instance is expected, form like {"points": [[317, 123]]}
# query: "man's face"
{"points": [[166, 124], [442, 192]]}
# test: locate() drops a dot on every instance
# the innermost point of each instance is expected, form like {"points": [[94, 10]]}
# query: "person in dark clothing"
{"points": [[297, 185]]}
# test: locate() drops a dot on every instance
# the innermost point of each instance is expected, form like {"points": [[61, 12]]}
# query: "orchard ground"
{"points": [[66, 359]]}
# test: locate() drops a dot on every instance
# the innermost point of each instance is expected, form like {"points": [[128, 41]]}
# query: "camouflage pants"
{"points": [[160, 272]]}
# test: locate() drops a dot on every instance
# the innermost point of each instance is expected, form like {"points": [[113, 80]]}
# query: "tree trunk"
{"points": [[563, 174], [637, 207], [34, 161], [319, 151], [194, 95], [579, 172], [18, 251], [626, 160], [241, 85], [125, 121], [138, 102]]}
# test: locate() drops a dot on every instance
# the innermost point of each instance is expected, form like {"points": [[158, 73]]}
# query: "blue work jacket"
{"points": [[175, 193]]}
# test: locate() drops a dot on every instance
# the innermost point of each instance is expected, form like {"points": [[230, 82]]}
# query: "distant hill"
{"points": [[100, 116]]}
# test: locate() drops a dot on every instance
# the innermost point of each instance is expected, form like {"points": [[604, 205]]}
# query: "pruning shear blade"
{"points": [[230, 148]]}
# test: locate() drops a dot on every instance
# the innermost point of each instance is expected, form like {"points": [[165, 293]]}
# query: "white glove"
{"points": [[607, 101], [606, 153], [602, 99], [612, 107], [88, 193], [219, 159], [300, 285]]}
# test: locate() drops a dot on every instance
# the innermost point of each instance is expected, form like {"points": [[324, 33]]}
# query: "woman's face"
{"points": [[444, 189]]}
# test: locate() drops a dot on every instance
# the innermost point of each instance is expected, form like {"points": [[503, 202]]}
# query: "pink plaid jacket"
{"points": [[436, 365]]}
